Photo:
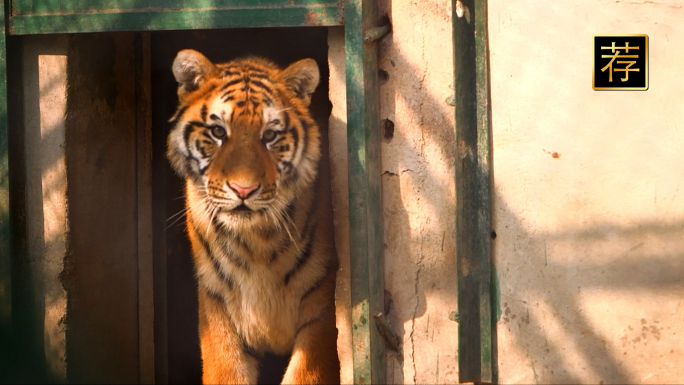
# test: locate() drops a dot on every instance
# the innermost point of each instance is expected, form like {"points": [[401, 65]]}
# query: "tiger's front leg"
{"points": [[224, 359], [314, 356]]}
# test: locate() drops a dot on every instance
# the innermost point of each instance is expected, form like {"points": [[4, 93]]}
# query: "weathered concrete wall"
{"points": [[589, 202], [418, 190]]}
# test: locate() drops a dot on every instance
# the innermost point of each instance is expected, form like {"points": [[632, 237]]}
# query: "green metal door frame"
{"points": [[359, 17], [365, 203], [51, 17]]}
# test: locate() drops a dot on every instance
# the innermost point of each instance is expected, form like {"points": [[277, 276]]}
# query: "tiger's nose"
{"points": [[243, 192]]}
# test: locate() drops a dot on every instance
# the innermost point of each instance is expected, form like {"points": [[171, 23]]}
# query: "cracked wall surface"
{"points": [[416, 81], [588, 196], [419, 190]]}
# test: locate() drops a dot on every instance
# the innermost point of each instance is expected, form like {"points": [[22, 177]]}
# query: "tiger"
{"points": [[261, 238]]}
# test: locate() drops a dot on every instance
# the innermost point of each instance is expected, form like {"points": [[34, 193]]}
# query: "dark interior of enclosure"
{"points": [[283, 46], [105, 121]]}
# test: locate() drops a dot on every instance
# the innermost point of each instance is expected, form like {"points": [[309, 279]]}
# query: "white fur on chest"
{"points": [[264, 310]]}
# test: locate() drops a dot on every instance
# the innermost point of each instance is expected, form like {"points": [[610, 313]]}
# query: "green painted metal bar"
{"points": [[5, 272], [7, 351], [477, 330], [43, 7], [155, 20], [365, 204]]}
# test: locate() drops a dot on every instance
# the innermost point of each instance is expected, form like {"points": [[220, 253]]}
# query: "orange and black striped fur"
{"points": [[261, 235]]}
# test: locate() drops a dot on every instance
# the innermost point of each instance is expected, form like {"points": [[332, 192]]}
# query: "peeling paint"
{"points": [[464, 150]]}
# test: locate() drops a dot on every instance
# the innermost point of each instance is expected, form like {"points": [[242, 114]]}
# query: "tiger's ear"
{"points": [[301, 78], [191, 69]]}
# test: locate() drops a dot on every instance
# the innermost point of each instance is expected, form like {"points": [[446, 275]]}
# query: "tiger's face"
{"points": [[242, 136]]}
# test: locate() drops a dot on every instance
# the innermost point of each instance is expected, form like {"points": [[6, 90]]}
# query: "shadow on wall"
{"points": [[562, 308], [419, 223], [543, 302]]}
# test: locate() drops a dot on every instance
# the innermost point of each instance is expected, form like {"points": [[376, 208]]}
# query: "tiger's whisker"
{"points": [[211, 220]]}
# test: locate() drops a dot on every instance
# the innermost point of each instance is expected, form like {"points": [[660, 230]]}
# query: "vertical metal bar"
{"points": [[365, 205], [143, 102], [477, 333], [5, 261], [484, 145], [159, 225]]}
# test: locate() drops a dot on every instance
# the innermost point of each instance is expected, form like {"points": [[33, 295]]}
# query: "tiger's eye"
{"points": [[218, 131], [269, 135]]}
